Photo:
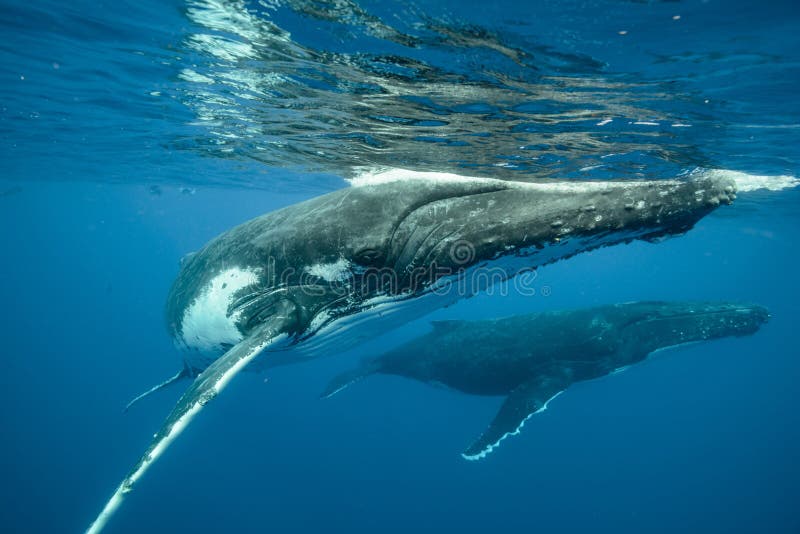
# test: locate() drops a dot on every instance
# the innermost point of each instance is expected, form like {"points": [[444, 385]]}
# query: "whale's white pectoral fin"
{"points": [[526, 400], [205, 387]]}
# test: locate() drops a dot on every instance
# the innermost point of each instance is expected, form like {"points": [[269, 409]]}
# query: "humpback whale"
{"points": [[326, 273], [530, 359]]}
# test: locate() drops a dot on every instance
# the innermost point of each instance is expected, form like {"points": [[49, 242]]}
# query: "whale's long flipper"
{"points": [[524, 401], [348, 378], [205, 387], [183, 373]]}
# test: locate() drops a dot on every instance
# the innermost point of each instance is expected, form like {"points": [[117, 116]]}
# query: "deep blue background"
{"points": [[703, 439]]}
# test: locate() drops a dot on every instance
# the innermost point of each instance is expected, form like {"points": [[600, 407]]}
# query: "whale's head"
{"points": [[660, 325]]}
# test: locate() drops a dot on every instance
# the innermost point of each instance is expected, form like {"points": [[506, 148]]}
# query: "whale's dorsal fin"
{"points": [[204, 388], [527, 399]]}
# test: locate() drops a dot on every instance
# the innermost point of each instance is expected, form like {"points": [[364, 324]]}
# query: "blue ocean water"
{"points": [[133, 132]]}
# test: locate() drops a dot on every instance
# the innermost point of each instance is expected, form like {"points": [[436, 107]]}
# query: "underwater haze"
{"points": [[131, 133]]}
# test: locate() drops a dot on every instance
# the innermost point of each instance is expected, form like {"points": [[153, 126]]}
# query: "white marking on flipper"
{"points": [[493, 446], [337, 390], [127, 484], [183, 373], [205, 387]]}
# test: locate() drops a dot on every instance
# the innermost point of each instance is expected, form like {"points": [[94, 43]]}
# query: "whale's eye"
{"points": [[368, 257]]}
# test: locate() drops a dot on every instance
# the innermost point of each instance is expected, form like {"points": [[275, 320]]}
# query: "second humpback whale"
{"points": [[533, 358], [314, 277]]}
